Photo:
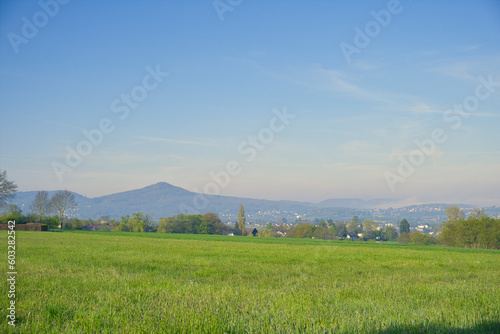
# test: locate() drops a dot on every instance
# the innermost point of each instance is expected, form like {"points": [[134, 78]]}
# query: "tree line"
{"points": [[208, 223], [42, 206], [477, 231], [330, 230]]}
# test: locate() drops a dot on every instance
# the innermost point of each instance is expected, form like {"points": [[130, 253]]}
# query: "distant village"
{"points": [[423, 218]]}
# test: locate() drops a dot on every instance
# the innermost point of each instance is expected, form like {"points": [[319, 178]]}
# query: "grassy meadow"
{"points": [[113, 282]]}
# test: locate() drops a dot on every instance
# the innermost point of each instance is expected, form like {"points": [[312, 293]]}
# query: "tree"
{"points": [[477, 213], [369, 225], [332, 230], [471, 233], [41, 204], [236, 229], [419, 238], [404, 238], [165, 225], [208, 223], [370, 230], [341, 230], [74, 224], [212, 217], [454, 213], [302, 230], [205, 227], [324, 232], [404, 226], [241, 219], [12, 212], [360, 228], [53, 222], [391, 233], [353, 225], [7, 189], [218, 227], [139, 222], [61, 202]]}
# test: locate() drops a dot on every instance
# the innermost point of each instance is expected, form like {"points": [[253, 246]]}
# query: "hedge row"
{"points": [[26, 227]]}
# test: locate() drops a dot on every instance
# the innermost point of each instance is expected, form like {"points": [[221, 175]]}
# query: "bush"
{"points": [[26, 227], [404, 238], [473, 232], [419, 238]]}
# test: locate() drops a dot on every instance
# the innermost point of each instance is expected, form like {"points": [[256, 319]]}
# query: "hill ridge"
{"points": [[163, 199]]}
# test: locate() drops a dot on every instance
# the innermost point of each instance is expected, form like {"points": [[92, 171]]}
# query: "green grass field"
{"points": [[91, 282]]}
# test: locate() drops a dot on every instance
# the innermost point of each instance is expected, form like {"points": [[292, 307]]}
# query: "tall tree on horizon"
{"points": [[353, 225], [241, 219], [7, 189], [404, 226], [41, 204], [61, 202]]}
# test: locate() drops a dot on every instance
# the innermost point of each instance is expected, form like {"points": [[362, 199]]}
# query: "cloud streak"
{"points": [[173, 141]]}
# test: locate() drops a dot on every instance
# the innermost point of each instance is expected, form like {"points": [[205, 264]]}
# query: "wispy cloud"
{"points": [[399, 153], [466, 67], [173, 141], [59, 124], [365, 65], [335, 81], [453, 49], [467, 48], [347, 83], [458, 70], [317, 77], [426, 109]]}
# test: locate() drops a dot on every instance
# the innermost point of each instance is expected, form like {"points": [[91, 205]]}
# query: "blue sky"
{"points": [[355, 121]]}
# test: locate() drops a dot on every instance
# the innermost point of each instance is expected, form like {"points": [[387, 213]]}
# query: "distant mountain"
{"points": [[162, 200]]}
